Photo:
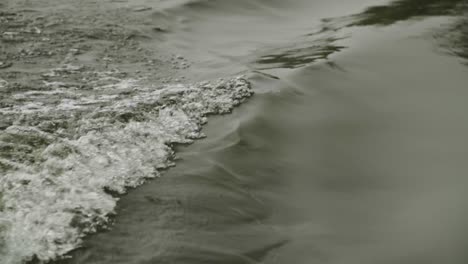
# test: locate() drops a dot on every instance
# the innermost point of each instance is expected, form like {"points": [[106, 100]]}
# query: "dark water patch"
{"points": [[322, 47], [299, 57], [395, 11], [404, 10], [461, 42], [261, 253], [454, 38], [271, 76]]}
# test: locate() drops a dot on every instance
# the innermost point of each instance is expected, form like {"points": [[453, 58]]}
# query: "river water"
{"points": [[353, 149]]}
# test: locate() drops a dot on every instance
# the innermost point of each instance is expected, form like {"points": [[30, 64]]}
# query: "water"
{"points": [[352, 150]]}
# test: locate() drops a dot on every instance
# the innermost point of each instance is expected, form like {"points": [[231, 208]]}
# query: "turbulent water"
{"points": [[353, 149], [56, 185]]}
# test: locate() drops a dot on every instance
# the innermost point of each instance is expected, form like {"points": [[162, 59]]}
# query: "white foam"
{"points": [[54, 194]]}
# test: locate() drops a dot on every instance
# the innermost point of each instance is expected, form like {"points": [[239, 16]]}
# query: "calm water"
{"points": [[353, 150]]}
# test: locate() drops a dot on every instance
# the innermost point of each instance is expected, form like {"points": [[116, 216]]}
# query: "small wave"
{"points": [[64, 153]]}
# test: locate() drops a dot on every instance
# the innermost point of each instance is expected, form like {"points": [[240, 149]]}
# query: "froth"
{"points": [[65, 151]]}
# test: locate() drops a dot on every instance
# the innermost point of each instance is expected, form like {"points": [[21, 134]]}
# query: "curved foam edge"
{"points": [[57, 182]]}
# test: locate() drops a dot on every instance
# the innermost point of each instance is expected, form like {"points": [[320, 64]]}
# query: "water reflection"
{"points": [[404, 10], [454, 39], [318, 47], [300, 56]]}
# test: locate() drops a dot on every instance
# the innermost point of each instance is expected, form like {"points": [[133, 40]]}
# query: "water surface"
{"points": [[353, 150]]}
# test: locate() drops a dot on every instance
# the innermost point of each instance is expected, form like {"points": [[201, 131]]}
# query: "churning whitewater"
{"points": [[69, 151]]}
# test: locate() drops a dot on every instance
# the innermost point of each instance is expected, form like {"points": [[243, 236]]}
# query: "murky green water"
{"points": [[353, 150]]}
